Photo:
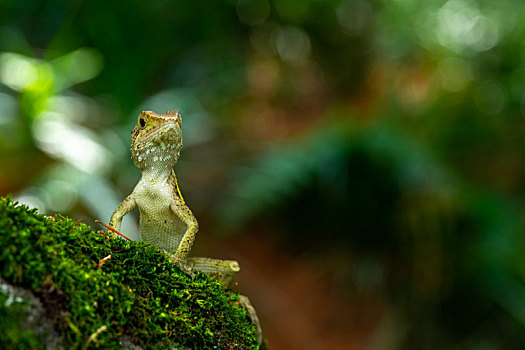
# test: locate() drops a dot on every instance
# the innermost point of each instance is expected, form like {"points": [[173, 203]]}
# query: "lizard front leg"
{"points": [[125, 207], [192, 227]]}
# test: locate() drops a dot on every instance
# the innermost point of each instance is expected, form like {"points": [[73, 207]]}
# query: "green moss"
{"points": [[138, 293]]}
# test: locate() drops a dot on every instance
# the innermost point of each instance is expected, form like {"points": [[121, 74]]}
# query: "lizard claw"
{"points": [[187, 270], [177, 258], [113, 230]]}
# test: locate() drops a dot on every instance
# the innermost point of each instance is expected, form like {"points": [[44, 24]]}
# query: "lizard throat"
{"points": [[158, 156]]}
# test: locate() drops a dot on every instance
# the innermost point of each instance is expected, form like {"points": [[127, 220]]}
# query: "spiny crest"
{"points": [[168, 115], [172, 113]]}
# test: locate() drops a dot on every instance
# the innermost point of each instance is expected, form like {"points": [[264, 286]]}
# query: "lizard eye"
{"points": [[142, 122]]}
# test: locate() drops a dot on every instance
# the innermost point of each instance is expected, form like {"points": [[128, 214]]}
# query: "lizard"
{"points": [[166, 221]]}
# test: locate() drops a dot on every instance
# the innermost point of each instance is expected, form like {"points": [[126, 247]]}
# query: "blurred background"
{"points": [[364, 161]]}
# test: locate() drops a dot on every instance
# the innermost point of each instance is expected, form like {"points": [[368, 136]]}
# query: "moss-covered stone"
{"points": [[23, 322], [137, 294]]}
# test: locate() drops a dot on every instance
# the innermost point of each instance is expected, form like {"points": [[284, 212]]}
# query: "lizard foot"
{"points": [[177, 259], [113, 230]]}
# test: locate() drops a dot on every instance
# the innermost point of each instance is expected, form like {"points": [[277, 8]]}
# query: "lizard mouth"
{"points": [[168, 134]]}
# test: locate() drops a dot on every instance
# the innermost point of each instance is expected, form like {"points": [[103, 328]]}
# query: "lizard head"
{"points": [[156, 139]]}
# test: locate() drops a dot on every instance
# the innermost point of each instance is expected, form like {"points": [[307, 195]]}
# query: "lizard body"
{"points": [[165, 219]]}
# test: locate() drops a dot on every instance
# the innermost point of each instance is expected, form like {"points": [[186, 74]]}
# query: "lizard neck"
{"points": [[158, 173]]}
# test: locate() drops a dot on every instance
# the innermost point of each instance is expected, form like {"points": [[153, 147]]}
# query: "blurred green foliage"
{"points": [[382, 139]]}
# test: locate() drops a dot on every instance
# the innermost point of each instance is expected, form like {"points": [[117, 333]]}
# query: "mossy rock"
{"points": [[136, 298], [23, 320]]}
